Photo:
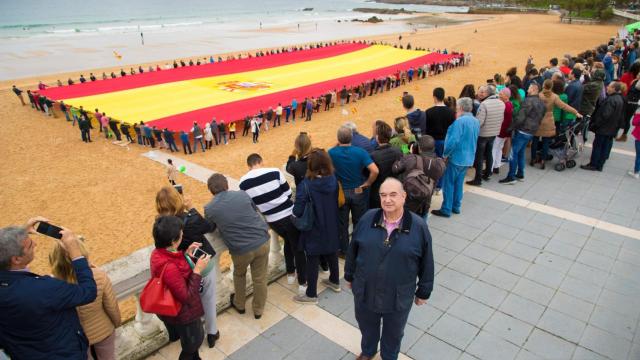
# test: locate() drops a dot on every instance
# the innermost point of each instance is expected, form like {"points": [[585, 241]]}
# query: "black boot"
{"points": [[212, 338]]}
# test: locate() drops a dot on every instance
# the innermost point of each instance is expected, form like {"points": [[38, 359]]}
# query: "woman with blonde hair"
{"points": [[547, 129], [100, 318], [297, 163], [170, 203], [403, 136]]}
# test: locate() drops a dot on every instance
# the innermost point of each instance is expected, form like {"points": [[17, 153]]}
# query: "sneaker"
{"points": [[474, 182], [520, 178], [304, 299], [508, 181], [440, 213], [330, 285], [635, 175], [291, 279], [302, 289]]}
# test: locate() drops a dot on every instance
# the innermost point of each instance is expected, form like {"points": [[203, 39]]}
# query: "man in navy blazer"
{"points": [[389, 267], [38, 318]]}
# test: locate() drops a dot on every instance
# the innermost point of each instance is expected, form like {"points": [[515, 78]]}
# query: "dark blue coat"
{"points": [[323, 237], [385, 277], [38, 318]]}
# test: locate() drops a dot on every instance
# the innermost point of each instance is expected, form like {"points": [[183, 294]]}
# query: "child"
{"points": [[232, 130], [636, 134], [172, 172]]}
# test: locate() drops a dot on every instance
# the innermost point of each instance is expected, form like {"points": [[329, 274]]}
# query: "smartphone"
{"points": [[50, 230], [178, 188], [198, 253]]}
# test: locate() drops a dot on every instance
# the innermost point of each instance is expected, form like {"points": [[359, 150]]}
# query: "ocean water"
{"points": [[61, 18]]}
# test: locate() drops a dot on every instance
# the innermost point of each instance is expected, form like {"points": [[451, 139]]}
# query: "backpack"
{"points": [[419, 188], [634, 93]]}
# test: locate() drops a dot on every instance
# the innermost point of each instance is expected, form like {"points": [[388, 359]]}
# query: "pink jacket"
{"points": [[636, 126]]}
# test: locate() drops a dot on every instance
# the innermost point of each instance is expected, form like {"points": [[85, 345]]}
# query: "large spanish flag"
{"points": [[234, 89]]}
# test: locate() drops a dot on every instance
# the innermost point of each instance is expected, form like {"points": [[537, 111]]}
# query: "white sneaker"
{"points": [[302, 289], [635, 175], [291, 279]]}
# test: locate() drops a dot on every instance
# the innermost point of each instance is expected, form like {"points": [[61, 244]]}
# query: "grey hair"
{"points": [[391, 179], [345, 135], [351, 125], [491, 90], [11, 244], [465, 104], [483, 88]]}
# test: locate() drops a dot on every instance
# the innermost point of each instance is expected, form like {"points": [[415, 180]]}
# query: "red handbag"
{"points": [[157, 299]]}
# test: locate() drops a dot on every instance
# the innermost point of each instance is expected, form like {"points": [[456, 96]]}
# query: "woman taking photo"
{"points": [[320, 187], [100, 318], [170, 202], [183, 283]]}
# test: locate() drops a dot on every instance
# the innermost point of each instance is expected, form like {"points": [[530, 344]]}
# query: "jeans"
{"points": [[293, 257], [255, 136], [186, 146], [195, 144], [600, 150], [452, 188], [208, 298], [66, 115], [312, 272], [439, 151], [357, 205], [309, 113], [223, 137], [172, 146], [636, 168], [86, 135], [518, 149], [191, 336], [546, 141], [483, 153], [393, 325]]}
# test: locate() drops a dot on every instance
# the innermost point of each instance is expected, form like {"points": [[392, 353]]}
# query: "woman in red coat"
{"points": [[183, 283]]}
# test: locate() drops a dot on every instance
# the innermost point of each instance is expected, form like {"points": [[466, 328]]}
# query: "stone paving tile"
{"points": [[452, 242], [587, 273], [590, 258], [441, 297], [554, 261], [454, 331], [259, 348], [534, 291], [622, 304], [486, 293], [563, 249], [570, 238], [605, 343], [493, 241], [454, 280], [481, 253], [561, 325], [471, 311], [544, 275], [512, 264], [318, 347], [522, 308], [467, 265], [602, 247], [581, 289], [501, 229], [610, 321], [508, 328], [487, 346], [572, 306], [288, 334], [335, 303], [411, 336], [423, 317], [531, 239], [499, 278], [548, 346], [584, 354], [429, 347], [522, 251]]}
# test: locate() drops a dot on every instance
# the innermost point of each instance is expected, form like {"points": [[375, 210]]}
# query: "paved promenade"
{"points": [[548, 268]]}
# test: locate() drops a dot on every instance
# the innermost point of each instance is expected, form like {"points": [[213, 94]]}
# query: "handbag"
{"points": [[305, 222], [156, 298]]}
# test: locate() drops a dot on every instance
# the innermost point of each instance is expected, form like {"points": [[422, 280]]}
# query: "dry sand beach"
{"points": [[106, 192]]}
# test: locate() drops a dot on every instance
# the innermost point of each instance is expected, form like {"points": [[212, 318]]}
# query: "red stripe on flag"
{"points": [[195, 72], [239, 109]]}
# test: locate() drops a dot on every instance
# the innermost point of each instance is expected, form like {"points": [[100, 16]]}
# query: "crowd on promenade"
{"points": [[381, 184], [209, 133]]}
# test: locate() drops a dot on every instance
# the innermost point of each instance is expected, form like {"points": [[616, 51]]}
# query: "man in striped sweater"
{"points": [[490, 114], [272, 195]]}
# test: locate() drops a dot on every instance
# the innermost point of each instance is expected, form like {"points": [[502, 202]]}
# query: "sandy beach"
{"points": [[106, 192]]}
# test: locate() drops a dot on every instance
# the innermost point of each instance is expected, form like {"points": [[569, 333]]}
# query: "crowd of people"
{"points": [[209, 133], [381, 184]]}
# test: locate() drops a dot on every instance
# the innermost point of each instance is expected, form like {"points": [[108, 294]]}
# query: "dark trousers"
{"points": [[294, 257], [293, 114], [483, 153], [186, 146], [357, 205], [392, 331], [129, 139], [245, 130], [535, 146], [215, 137], [312, 271], [191, 336], [277, 120], [172, 146], [139, 139], [152, 141], [86, 135], [255, 136], [600, 151], [309, 113]]}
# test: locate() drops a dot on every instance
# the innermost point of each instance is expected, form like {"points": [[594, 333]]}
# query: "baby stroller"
{"points": [[568, 144]]}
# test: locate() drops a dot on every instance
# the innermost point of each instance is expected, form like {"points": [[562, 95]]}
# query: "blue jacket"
{"points": [[417, 121], [38, 318], [385, 278], [574, 94], [322, 239], [461, 140]]}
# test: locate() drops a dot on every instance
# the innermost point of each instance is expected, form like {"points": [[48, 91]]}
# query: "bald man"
{"points": [[389, 266]]}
